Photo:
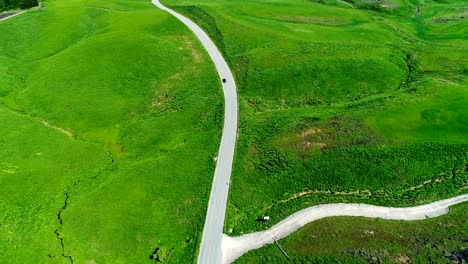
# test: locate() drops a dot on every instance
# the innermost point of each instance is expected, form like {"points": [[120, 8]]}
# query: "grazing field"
{"points": [[342, 101], [111, 115]]}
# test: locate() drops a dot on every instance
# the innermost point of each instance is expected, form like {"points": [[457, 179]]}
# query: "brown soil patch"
{"points": [[159, 100], [188, 43], [358, 192], [310, 131], [403, 259], [312, 20], [321, 144], [64, 131], [161, 97], [304, 193], [308, 145]]}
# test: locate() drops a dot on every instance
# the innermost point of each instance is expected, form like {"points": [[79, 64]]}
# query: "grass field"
{"points": [[111, 114], [342, 101]]}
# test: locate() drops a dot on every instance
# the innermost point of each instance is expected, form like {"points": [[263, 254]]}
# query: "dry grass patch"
{"points": [[190, 46], [312, 20]]}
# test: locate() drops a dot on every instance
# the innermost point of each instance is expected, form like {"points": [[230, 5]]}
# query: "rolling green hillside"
{"points": [[342, 101], [111, 114]]}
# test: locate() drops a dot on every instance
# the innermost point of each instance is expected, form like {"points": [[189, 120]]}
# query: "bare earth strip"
{"points": [[210, 248], [234, 247], [64, 131]]}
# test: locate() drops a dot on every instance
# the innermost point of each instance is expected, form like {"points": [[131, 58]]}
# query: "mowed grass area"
{"points": [[342, 101], [365, 240], [111, 115]]}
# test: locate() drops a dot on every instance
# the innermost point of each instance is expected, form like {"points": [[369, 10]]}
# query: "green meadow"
{"points": [[111, 115], [342, 101]]}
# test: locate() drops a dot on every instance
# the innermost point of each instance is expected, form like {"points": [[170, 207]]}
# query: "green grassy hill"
{"points": [[342, 101], [111, 115]]}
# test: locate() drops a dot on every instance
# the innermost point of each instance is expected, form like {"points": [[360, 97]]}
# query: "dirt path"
{"points": [[234, 247]]}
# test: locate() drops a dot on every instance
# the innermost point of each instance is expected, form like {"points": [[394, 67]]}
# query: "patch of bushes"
{"points": [[17, 4]]}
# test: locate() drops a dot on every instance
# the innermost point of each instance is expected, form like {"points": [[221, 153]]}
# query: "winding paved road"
{"points": [[218, 248], [210, 249], [234, 247]]}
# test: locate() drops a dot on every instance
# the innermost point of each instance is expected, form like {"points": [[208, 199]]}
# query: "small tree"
{"points": [[2, 6], [24, 4]]}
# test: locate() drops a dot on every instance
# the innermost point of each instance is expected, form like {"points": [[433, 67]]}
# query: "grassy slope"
{"points": [[134, 89], [34, 176], [342, 104]]}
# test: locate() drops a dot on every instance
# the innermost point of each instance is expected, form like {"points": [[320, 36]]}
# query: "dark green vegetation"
{"points": [[364, 240], [17, 4], [110, 117], [349, 101]]}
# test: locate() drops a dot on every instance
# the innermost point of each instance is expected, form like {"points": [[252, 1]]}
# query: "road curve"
{"points": [[234, 247], [210, 249]]}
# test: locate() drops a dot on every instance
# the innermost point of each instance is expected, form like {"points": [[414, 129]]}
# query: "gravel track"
{"points": [[234, 247]]}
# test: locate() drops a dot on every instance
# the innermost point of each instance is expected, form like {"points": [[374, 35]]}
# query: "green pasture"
{"points": [[111, 116], [342, 101]]}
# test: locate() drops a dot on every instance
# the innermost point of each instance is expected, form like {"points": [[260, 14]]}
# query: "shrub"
{"points": [[15, 4], [28, 3]]}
